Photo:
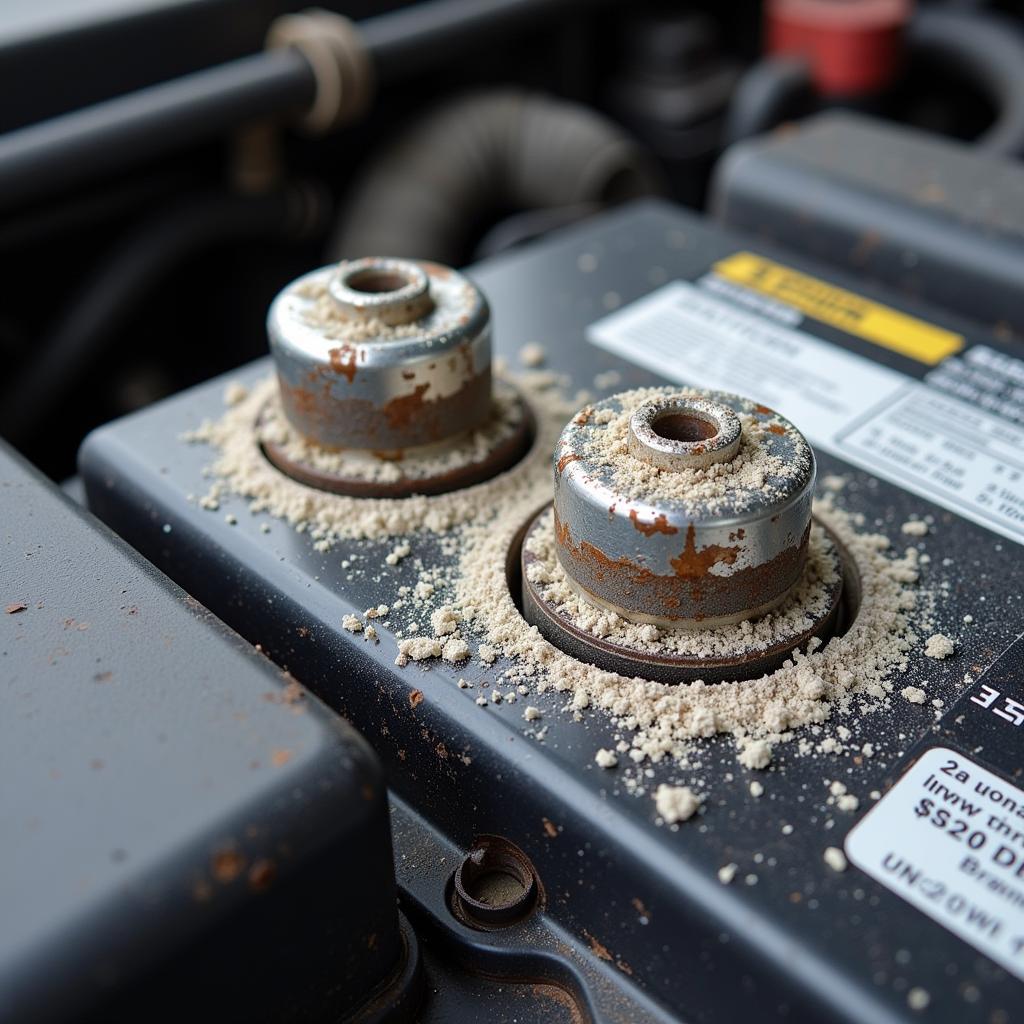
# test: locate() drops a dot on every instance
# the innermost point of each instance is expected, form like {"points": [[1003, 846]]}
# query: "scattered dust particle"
{"points": [[676, 803], [424, 589], [608, 379], [550, 829], [835, 858], [968, 618], [226, 865], [727, 872], [837, 788], [377, 613], [235, 392], [939, 646], [15, 606], [415, 698], [833, 482], [787, 830], [209, 502], [847, 802], [417, 648], [487, 654], [597, 948], [397, 553], [264, 527], [755, 754], [455, 650], [231, 520], [352, 624], [918, 998], [868, 750], [481, 701], [913, 694], [531, 714], [915, 528], [606, 758], [444, 621], [495, 697], [463, 685], [756, 789], [532, 355], [280, 757]]}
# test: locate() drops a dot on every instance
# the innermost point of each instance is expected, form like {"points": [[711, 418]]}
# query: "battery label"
{"points": [[949, 839], [919, 434], [872, 321]]}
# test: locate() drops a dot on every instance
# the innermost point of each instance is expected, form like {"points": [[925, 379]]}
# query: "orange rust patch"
{"points": [[565, 460], [776, 428], [660, 524], [343, 360], [597, 948], [261, 875], [694, 564], [415, 698], [401, 412], [280, 757], [226, 865], [763, 410]]}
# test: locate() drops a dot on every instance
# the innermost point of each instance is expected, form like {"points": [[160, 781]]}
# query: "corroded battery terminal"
{"points": [[686, 511], [384, 367]]}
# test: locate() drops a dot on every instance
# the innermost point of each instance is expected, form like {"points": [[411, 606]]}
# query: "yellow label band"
{"points": [[883, 325]]}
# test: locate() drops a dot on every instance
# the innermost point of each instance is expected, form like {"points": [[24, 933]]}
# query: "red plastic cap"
{"points": [[854, 47]]}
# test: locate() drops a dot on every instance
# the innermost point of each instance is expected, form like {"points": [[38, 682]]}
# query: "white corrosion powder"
{"points": [[676, 803], [752, 476], [939, 646], [656, 720]]}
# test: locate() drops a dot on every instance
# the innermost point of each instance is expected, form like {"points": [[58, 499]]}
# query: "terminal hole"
{"points": [[683, 426], [375, 282]]}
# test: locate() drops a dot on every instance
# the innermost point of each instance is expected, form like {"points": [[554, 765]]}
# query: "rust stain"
{"points": [[15, 606], [776, 428], [261, 875], [280, 757], [763, 410], [401, 412], [395, 455], [415, 698], [597, 948], [550, 829], [638, 906], [692, 564], [343, 360], [660, 524], [226, 865], [565, 460]]}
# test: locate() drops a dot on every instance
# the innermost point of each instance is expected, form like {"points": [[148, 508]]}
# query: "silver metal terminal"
{"points": [[684, 432], [382, 355], [390, 291], [702, 545]]}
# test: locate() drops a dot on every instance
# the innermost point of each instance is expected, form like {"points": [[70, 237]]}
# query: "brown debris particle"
{"points": [[226, 865], [415, 698], [280, 757], [15, 606]]}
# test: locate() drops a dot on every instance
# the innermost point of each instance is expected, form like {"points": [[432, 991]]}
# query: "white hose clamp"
{"points": [[341, 65]]}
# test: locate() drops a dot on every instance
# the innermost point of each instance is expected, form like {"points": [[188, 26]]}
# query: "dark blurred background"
{"points": [[136, 263]]}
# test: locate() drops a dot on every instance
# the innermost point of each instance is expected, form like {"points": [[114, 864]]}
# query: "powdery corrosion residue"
{"points": [[851, 673]]}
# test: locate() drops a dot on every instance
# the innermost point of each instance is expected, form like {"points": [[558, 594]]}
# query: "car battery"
{"points": [[823, 826]]}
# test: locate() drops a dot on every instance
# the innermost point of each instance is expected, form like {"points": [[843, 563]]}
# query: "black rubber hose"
{"points": [[456, 169], [772, 90], [79, 147], [126, 278], [988, 50]]}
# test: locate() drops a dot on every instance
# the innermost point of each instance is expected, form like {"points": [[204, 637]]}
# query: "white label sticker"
{"points": [[925, 441], [949, 839]]}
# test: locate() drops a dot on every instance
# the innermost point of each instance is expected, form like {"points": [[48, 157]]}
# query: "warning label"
{"points": [[939, 438], [949, 839]]}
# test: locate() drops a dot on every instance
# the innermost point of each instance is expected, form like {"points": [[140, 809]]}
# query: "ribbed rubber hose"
{"points": [[988, 50], [480, 157]]}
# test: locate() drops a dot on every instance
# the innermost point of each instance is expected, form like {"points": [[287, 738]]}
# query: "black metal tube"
{"points": [[79, 147]]}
